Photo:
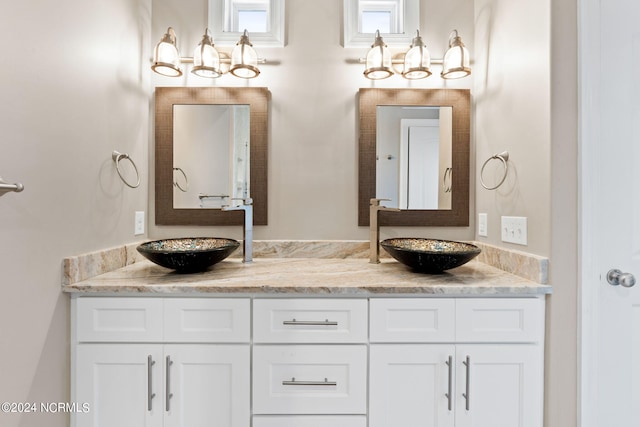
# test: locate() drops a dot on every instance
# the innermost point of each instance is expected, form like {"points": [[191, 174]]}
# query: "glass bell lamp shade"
{"points": [[244, 59], [455, 64], [206, 60], [166, 59], [417, 60], [378, 65]]}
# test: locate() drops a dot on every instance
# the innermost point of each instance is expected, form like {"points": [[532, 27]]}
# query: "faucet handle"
{"points": [[245, 201], [376, 202]]}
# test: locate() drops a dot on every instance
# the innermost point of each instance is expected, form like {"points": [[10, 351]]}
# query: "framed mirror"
{"points": [[211, 147], [427, 178]]}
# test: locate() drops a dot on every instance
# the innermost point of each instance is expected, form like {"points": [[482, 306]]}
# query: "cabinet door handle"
{"points": [[450, 386], [168, 394], [326, 322], [294, 382], [150, 393], [466, 394]]}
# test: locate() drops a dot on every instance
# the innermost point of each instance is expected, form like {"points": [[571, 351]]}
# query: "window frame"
{"points": [[221, 15], [407, 22]]}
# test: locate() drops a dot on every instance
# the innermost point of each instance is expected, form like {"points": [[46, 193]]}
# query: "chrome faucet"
{"points": [[374, 229], [247, 228]]}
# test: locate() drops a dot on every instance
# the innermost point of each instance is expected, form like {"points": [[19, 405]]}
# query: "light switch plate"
{"points": [[482, 225], [514, 229], [139, 223]]}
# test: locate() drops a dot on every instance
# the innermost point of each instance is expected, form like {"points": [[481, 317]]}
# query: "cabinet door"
{"points": [[411, 385], [207, 385], [499, 385], [121, 383]]}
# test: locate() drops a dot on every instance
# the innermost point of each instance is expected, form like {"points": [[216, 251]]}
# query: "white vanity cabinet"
{"points": [[456, 362], [259, 361], [161, 361]]}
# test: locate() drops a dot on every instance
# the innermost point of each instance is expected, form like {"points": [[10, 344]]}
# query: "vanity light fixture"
{"points": [[416, 62], [244, 60], [378, 60], [455, 64], [207, 60], [166, 59]]}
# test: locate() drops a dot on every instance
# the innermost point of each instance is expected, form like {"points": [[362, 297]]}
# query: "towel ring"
{"points": [[186, 181], [503, 157], [117, 156], [447, 180]]}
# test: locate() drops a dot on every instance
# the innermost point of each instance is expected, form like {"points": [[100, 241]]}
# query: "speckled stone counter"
{"points": [[309, 276]]}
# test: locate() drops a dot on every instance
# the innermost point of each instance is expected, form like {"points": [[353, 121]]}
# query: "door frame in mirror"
{"points": [[165, 98], [460, 101]]}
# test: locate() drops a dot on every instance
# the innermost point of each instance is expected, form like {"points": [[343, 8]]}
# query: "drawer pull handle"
{"points": [[168, 394], [448, 394], [294, 382], [327, 322], [150, 393], [467, 394]]}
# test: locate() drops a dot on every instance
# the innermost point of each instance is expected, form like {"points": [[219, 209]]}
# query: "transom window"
{"points": [[397, 21], [250, 15], [383, 15], [263, 20]]}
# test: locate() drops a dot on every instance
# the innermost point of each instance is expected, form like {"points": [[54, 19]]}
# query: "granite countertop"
{"points": [[309, 276]]}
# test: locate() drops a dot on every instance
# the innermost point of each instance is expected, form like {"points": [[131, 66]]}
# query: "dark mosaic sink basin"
{"points": [[430, 255], [189, 254]]}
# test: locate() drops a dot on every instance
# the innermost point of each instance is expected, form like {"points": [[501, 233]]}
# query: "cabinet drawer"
{"points": [[500, 320], [119, 319], [310, 421], [207, 320], [309, 379], [310, 320], [412, 320]]}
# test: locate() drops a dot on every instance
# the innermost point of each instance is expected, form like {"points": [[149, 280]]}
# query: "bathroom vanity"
{"points": [[308, 343]]}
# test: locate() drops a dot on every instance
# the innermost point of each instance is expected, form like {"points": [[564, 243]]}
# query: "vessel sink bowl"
{"points": [[430, 255], [189, 254]]}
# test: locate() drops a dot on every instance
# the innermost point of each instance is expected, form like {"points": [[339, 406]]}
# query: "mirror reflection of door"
{"points": [[419, 158], [210, 155], [414, 157]]}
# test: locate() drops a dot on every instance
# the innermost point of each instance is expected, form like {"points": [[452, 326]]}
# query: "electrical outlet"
{"points": [[514, 229], [482, 224], [139, 223]]}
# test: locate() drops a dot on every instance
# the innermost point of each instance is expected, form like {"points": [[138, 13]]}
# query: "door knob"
{"points": [[616, 277]]}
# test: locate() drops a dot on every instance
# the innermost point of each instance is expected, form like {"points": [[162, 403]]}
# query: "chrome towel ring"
{"points": [[117, 156], [504, 158], [186, 181], [447, 180], [5, 187]]}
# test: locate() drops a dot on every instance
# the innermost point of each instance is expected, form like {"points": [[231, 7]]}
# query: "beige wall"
{"points": [[562, 315], [512, 113], [74, 89], [62, 120], [313, 176]]}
